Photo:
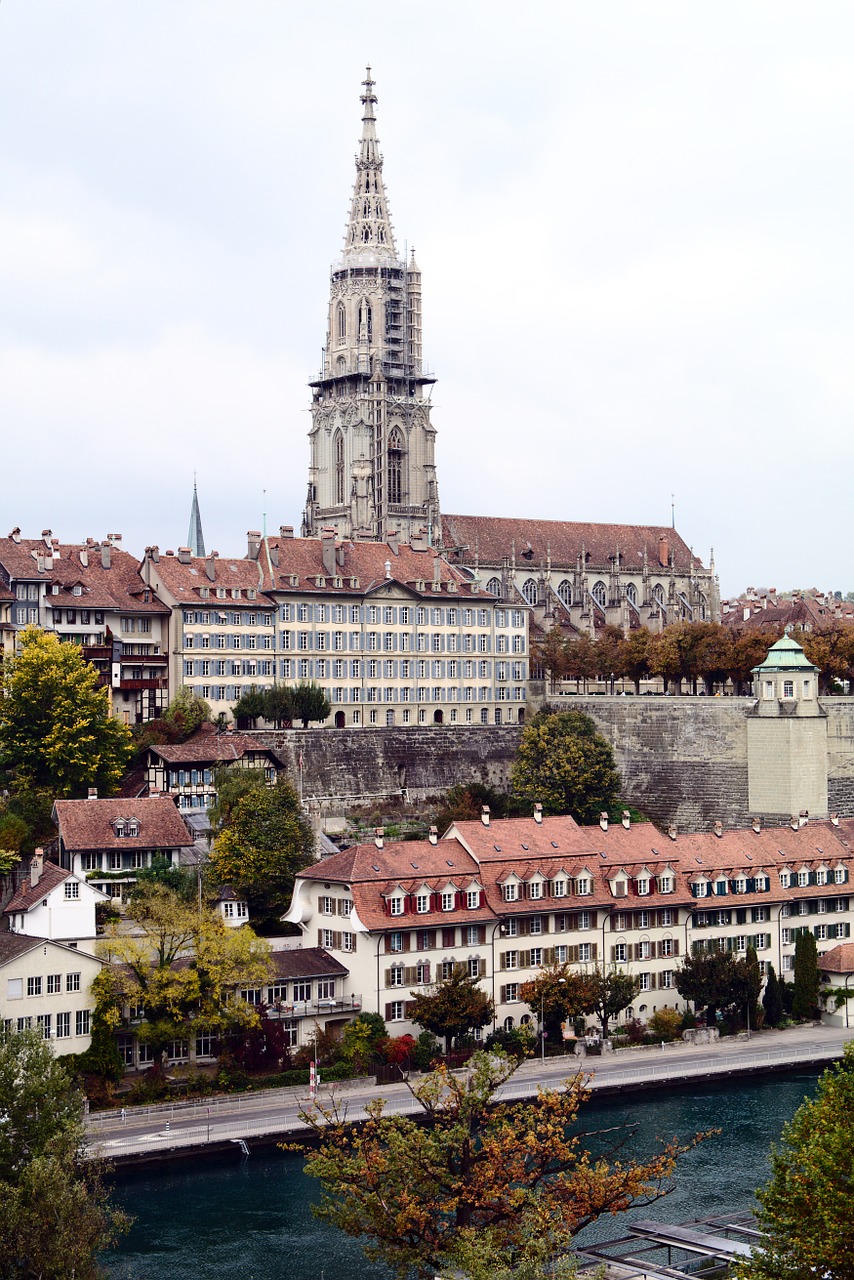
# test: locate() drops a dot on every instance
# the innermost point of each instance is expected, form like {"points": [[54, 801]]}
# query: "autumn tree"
{"points": [[566, 765], [309, 702], [807, 980], [452, 1008], [634, 656], [265, 842], [805, 1209], [750, 649], [55, 1217], [512, 1176], [550, 654], [609, 992], [582, 659], [560, 992], [185, 962], [187, 712], [56, 728], [609, 650]]}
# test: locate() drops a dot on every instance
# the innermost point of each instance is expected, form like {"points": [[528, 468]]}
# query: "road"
{"points": [[170, 1129]]}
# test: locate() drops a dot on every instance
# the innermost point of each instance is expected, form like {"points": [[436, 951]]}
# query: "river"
{"points": [[251, 1217]]}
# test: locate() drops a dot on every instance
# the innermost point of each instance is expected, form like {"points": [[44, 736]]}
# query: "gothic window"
{"points": [[342, 322], [340, 366], [494, 586], [366, 209], [395, 466], [366, 321], [529, 591], [600, 593], [632, 593], [658, 593], [565, 592], [339, 468], [702, 607], [367, 235]]}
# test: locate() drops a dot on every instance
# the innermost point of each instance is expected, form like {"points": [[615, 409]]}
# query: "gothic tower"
{"points": [[372, 471]]}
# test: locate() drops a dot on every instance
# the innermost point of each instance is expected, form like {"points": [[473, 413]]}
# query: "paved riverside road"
{"points": [[171, 1129]]}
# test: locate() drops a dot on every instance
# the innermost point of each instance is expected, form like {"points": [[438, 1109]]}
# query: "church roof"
{"points": [[195, 537], [491, 539], [369, 239]]}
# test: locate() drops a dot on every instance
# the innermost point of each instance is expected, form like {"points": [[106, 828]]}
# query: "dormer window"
{"points": [[740, 884], [821, 876], [583, 886], [642, 885], [119, 827], [761, 883], [510, 892], [449, 899], [701, 888], [620, 887], [422, 903], [473, 899], [666, 884], [785, 879], [133, 827], [395, 905], [535, 889], [721, 886], [559, 887], [803, 878], [839, 875]]}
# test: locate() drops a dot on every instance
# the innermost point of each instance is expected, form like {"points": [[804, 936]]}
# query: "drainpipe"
{"points": [[498, 927]]}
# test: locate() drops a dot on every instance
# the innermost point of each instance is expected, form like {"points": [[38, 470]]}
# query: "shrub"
{"points": [[666, 1024], [635, 1030], [427, 1051]]}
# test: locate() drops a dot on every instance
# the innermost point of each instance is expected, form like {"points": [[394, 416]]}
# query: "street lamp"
{"points": [[561, 983]]}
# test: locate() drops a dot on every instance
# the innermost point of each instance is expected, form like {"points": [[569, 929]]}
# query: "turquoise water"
{"points": [[252, 1217]]}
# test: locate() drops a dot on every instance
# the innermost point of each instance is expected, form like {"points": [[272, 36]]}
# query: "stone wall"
{"points": [[682, 760]]}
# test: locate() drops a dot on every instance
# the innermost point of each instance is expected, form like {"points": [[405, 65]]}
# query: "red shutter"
{"points": [[481, 935], [458, 899]]}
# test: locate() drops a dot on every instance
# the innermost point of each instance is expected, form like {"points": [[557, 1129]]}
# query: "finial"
{"points": [[368, 97]]}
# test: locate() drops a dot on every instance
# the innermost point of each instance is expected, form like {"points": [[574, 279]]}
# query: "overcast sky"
{"points": [[634, 223]]}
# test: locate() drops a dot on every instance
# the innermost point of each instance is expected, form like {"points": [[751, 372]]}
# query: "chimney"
{"points": [[106, 554], [671, 831], [834, 818], [46, 534], [538, 813], [391, 539], [719, 829], [757, 825], [84, 557], [185, 555], [603, 821], [794, 823], [663, 552], [210, 565], [340, 557], [327, 544], [484, 814], [92, 794], [803, 817], [153, 554], [253, 544], [627, 819], [36, 867], [286, 531], [15, 535], [434, 835], [379, 833], [388, 569], [274, 556]]}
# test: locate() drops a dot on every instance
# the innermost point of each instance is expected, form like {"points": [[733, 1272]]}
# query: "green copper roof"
{"points": [[786, 655]]}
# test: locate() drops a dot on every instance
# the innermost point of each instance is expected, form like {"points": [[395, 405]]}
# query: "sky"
{"points": [[634, 224]]}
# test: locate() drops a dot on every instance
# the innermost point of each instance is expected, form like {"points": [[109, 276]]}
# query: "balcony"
{"points": [[313, 1008], [158, 683]]}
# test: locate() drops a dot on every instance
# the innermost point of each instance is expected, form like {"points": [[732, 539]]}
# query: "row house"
{"points": [[503, 898], [392, 632], [90, 594], [185, 771], [106, 842]]}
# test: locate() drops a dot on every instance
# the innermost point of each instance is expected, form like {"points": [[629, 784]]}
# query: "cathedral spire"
{"points": [[369, 236], [195, 538]]}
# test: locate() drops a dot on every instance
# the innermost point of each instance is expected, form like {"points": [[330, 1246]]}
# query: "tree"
{"points": [[513, 1176], [805, 1210], [56, 729], [452, 1008], [610, 991], [55, 1217], [279, 705], [582, 659], [187, 712], [568, 767], [714, 980], [181, 880], [186, 962], [805, 1001], [231, 783], [360, 1039], [309, 702], [772, 1000], [550, 653], [267, 839], [634, 656], [560, 992], [249, 707]]}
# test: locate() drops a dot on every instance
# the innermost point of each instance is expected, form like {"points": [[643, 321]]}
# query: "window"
{"points": [[510, 892], [327, 906], [472, 935], [620, 953], [302, 992], [643, 920], [448, 900], [643, 981], [348, 942], [665, 979], [395, 975], [473, 967], [788, 688], [72, 889], [473, 899], [395, 1011], [839, 875], [535, 889], [63, 1026], [395, 942], [81, 1022], [54, 983], [72, 982], [584, 920], [667, 917], [803, 879], [511, 995], [585, 953], [422, 903], [559, 888], [395, 906], [665, 884], [34, 986], [511, 960]]}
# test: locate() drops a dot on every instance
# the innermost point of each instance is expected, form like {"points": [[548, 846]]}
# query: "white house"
{"points": [[53, 903], [48, 985]]}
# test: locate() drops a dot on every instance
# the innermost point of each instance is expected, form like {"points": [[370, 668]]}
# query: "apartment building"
{"points": [[392, 632], [503, 898], [47, 985]]}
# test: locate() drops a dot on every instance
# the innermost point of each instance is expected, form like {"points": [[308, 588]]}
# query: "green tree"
{"points": [[805, 1210], [267, 839], [566, 765], [250, 706], [510, 1176], [215, 961], [187, 712], [56, 729], [582, 659], [361, 1038], [772, 999], [715, 980], [805, 1001], [181, 880], [309, 702], [279, 705], [609, 992], [231, 783], [560, 992], [55, 1217], [452, 1008], [550, 654]]}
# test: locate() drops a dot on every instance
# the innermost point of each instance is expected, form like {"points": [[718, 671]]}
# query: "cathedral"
{"points": [[372, 474]]}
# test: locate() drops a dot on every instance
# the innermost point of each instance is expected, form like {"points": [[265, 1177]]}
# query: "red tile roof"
{"points": [[305, 962], [492, 538], [28, 895], [839, 960], [366, 561], [208, 746], [117, 587], [86, 824]]}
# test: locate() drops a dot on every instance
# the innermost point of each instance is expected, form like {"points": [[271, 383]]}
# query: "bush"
{"points": [[635, 1030], [427, 1051], [666, 1024], [150, 1087], [689, 1021]]}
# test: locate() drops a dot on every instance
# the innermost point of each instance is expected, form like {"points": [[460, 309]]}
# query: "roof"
{"points": [[87, 824], [365, 562], [839, 960], [108, 577], [786, 655], [28, 895], [492, 538], [13, 945], [209, 746], [306, 962]]}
